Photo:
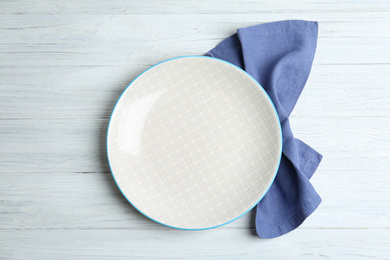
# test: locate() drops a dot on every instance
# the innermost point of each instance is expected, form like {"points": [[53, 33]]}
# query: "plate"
{"points": [[194, 142]]}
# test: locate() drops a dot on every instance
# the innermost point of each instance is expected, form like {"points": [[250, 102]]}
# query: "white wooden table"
{"points": [[63, 64]]}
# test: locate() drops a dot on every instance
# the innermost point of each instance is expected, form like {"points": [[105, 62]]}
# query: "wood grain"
{"points": [[20, 7], [112, 40], [78, 145], [173, 244], [91, 92], [63, 64], [92, 201]]}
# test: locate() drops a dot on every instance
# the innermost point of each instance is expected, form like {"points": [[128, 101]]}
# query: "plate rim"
{"points": [[205, 57]]}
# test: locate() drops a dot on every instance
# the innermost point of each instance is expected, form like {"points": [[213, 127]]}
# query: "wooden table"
{"points": [[63, 64]]}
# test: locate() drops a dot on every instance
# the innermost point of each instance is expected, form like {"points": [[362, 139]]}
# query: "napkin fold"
{"points": [[279, 56]]}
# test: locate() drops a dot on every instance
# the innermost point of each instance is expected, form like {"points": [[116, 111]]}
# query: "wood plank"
{"points": [[21, 7], [66, 92], [173, 244], [92, 201], [78, 145], [91, 92], [120, 40], [345, 91]]}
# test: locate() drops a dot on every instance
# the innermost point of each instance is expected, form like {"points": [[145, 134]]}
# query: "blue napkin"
{"points": [[279, 56]]}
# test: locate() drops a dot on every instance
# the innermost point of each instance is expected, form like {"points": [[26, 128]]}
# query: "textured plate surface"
{"points": [[194, 142]]}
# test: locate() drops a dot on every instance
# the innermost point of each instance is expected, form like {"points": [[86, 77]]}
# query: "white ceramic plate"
{"points": [[194, 143]]}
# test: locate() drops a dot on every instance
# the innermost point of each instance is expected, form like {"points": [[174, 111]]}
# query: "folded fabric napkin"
{"points": [[279, 56]]}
